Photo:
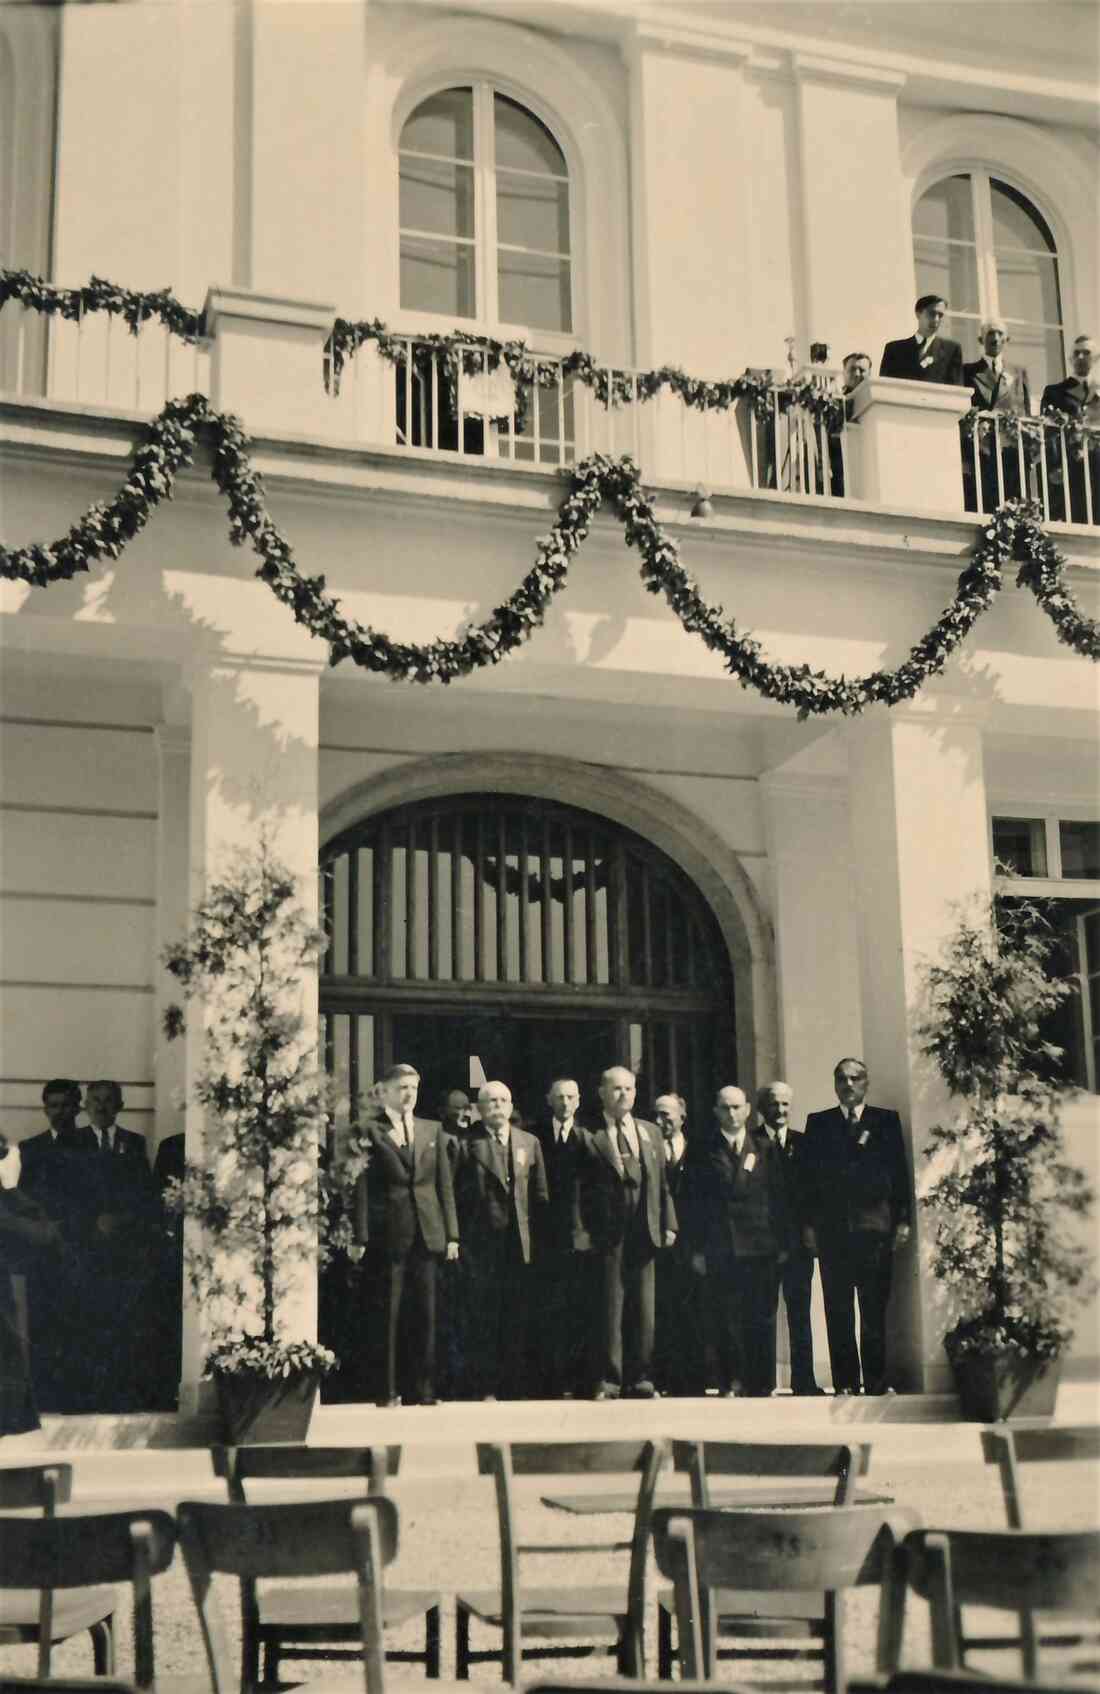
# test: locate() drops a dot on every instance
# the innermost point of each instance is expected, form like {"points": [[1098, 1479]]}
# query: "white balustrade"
{"points": [[95, 360], [1006, 457]]}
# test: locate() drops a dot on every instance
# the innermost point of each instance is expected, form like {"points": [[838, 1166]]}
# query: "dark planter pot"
{"points": [[994, 1387], [259, 1409]]}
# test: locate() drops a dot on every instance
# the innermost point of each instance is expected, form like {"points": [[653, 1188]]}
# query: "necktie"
{"points": [[407, 1123], [105, 1142], [625, 1149]]}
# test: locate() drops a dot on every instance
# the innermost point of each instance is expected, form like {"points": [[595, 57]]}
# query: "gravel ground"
{"points": [[449, 1539]]}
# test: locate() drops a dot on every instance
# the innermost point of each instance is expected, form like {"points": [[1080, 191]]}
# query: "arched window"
{"points": [[982, 244], [484, 213]]}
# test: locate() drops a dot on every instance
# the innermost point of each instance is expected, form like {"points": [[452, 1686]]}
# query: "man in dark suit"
{"points": [[456, 1117], [857, 367], [53, 1286], [630, 1215], [737, 1219], [856, 1211], [562, 1242], [27, 1236], [500, 1182], [796, 1274], [926, 356], [678, 1357], [1076, 397], [1001, 389], [405, 1220]]}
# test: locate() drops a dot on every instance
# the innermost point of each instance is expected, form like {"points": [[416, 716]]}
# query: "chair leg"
{"points": [[891, 1611], [431, 1642], [664, 1644], [103, 1646], [462, 1644], [836, 1679], [631, 1651], [271, 1664]]}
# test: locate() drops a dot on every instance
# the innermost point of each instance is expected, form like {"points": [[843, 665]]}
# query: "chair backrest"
{"points": [[815, 1550], [567, 1458], [294, 1462], [297, 1539], [1010, 1448], [80, 1552], [704, 1459], [65, 1684], [25, 1486], [1014, 1569], [954, 1682]]}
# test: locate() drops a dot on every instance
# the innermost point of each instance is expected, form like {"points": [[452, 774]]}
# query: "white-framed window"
{"points": [[1042, 846], [990, 252], [485, 214]]}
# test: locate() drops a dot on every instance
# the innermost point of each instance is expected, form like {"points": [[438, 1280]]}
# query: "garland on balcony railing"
{"points": [[97, 295], [1013, 536]]}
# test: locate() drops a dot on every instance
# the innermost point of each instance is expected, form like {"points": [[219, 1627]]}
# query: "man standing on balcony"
{"points": [[857, 368], [1002, 389], [926, 356], [1076, 399]]}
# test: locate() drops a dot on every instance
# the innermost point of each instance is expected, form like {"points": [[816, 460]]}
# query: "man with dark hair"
{"points": [[1076, 398], [855, 1200], [405, 1221], [53, 1320], [857, 367], [563, 1243], [457, 1118], [926, 356], [796, 1274]]}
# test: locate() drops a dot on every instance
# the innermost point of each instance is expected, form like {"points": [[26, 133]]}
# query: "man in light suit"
{"points": [[796, 1274], [563, 1245], [630, 1215], [1077, 396], [926, 356], [856, 1211], [1002, 389], [405, 1220], [500, 1182]]}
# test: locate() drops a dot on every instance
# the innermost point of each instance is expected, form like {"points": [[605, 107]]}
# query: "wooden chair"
{"points": [[76, 1552], [1008, 1449], [779, 1626], [45, 1487], [565, 1616], [65, 1684], [1011, 1569], [762, 1552], [954, 1682], [290, 1624], [289, 1540]]}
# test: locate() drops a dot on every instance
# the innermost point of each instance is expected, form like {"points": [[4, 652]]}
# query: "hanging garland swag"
{"points": [[1013, 536]]}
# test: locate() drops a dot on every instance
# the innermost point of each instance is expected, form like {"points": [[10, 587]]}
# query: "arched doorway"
{"points": [[497, 934]]}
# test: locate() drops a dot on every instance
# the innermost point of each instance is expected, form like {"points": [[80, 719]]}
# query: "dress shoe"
{"points": [[428, 1400], [805, 1393], [606, 1391], [734, 1393], [643, 1390], [394, 1400], [844, 1393], [489, 1399]]}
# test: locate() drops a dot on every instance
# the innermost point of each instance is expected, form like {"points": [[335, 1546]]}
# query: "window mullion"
{"points": [[485, 204], [988, 294]]}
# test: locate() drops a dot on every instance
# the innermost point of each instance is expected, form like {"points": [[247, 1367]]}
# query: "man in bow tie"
{"points": [[997, 387], [1076, 397], [630, 1213], [405, 1220], [856, 1211], [562, 1249], [926, 356], [499, 1183]]}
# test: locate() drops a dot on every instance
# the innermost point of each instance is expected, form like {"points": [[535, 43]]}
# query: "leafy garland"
{"points": [[1014, 535], [97, 295]]}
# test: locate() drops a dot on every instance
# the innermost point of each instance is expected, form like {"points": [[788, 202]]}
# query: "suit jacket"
{"points": [[559, 1227], [603, 1200], [854, 1181], [494, 1194], [737, 1203], [25, 1233], [901, 358], [1060, 397], [1007, 393], [117, 1185], [788, 1161], [400, 1200]]}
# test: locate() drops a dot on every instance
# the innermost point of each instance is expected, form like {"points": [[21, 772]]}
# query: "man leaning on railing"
{"points": [[1074, 405], [992, 454]]}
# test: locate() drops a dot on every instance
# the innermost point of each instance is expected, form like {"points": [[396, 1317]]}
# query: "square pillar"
{"points": [[267, 361], [919, 846], [173, 741], [905, 451]]}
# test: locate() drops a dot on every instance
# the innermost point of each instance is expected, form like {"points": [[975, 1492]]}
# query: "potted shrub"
{"points": [[996, 1191], [265, 1204]]}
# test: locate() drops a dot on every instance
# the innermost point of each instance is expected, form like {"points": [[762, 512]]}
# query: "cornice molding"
{"points": [[874, 79]]}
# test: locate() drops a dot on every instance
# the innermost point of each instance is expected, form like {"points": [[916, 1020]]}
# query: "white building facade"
{"points": [[604, 847]]}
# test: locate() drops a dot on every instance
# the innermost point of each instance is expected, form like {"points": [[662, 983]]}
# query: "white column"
{"points": [[919, 845], [253, 768], [173, 902], [267, 360], [905, 449]]}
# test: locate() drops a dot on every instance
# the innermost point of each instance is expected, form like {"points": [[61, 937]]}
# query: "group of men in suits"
{"points": [[632, 1241]]}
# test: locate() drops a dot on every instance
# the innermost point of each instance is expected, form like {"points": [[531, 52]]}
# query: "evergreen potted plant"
{"points": [[996, 1191], [265, 1204]]}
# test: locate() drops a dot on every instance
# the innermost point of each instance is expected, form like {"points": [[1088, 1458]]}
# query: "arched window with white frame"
{"points": [[988, 249], [485, 217]]}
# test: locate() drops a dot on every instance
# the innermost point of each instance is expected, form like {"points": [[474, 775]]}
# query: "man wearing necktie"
{"points": [[1002, 389], [1076, 397], [926, 356], [856, 1212], [405, 1219], [500, 1181], [562, 1246], [737, 1221], [678, 1363], [630, 1215], [796, 1275]]}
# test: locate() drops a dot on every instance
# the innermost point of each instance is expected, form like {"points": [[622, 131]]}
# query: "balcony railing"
{"points": [[94, 359], [1051, 461]]}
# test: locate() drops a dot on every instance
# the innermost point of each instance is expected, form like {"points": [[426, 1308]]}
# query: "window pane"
{"points": [[437, 197], [1016, 223], [1027, 287], [523, 142], [533, 212], [1020, 843], [535, 292], [1041, 353], [442, 124], [946, 211], [437, 276], [950, 271], [1080, 848]]}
